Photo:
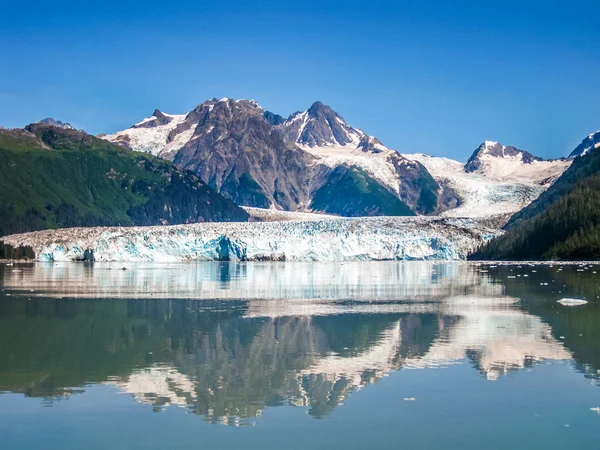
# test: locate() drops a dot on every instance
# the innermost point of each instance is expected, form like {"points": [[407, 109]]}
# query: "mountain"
{"points": [[58, 177], [377, 171], [258, 158], [497, 180], [563, 223], [56, 123], [487, 155], [589, 143]]}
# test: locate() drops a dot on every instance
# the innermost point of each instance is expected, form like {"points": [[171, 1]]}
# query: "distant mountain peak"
{"points": [[56, 123], [158, 118], [320, 126], [493, 149]]}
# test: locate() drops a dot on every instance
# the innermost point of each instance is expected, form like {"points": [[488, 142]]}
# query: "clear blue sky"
{"points": [[437, 77]]}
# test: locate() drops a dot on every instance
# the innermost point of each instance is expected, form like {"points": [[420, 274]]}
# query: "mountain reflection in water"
{"points": [[227, 340]]}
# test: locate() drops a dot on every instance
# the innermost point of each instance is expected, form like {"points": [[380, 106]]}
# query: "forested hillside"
{"points": [[53, 177]]}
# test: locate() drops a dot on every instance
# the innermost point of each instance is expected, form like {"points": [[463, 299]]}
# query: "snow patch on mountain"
{"points": [[378, 165], [589, 143], [152, 139], [341, 239]]}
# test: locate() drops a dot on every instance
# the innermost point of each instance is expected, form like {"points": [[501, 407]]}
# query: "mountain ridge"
{"points": [[260, 159]]}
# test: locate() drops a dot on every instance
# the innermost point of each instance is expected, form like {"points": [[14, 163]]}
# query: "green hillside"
{"points": [[563, 223], [52, 177]]}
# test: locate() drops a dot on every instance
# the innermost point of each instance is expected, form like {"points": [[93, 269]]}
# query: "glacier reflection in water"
{"points": [[229, 280], [227, 340]]}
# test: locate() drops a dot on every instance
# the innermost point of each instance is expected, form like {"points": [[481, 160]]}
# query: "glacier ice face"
{"points": [[328, 239]]}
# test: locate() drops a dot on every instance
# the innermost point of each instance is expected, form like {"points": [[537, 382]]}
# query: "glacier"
{"points": [[324, 238]]}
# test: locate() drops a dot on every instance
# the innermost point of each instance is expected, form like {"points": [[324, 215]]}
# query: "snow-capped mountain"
{"points": [[232, 147], [56, 123], [589, 143], [496, 180], [489, 153], [313, 160]]}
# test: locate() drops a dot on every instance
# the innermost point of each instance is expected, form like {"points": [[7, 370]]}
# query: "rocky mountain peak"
{"points": [[320, 126], [492, 149], [56, 123], [158, 118], [319, 108]]}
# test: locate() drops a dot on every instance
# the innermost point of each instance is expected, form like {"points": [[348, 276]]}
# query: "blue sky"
{"points": [[437, 77]]}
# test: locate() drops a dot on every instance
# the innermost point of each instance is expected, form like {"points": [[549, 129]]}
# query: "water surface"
{"points": [[298, 355]]}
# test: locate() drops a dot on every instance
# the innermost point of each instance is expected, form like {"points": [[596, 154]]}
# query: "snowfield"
{"points": [[378, 165], [153, 140], [330, 239], [502, 186]]}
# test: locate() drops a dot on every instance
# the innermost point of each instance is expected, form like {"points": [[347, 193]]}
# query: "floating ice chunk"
{"points": [[572, 302]]}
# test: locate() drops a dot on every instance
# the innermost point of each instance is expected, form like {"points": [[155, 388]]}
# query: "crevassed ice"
{"points": [[339, 239]]}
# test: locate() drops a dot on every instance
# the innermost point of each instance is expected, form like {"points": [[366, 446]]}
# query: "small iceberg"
{"points": [[572, 302]]}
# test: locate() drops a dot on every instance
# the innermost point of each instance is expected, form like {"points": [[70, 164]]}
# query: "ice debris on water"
{"points": [[572, 302]]}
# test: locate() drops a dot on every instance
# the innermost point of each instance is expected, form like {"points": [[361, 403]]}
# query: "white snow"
{"points": [[502, 186], [375, 164], [149, 140], [180, 140], [587, 149], [340, 239]]}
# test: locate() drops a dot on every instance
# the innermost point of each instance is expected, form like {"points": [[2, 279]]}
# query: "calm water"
{"points": [[261, 356]]}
